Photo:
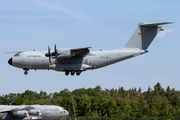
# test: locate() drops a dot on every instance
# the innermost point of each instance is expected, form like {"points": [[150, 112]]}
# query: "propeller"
{"points": [[49, 54], [55, 53]]}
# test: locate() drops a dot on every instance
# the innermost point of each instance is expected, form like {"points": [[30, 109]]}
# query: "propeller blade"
{"points": [[49, 61], [49, 49], [55, 50], [49, 52], [55, 53]]}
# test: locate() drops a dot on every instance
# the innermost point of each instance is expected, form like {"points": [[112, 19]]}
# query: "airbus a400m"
{"points": [[81, 59]]}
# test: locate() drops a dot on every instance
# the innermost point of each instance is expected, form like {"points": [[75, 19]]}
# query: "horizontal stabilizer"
{"points": [[143, 24]]}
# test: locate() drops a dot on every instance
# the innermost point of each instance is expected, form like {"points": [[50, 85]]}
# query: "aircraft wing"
{"points": [[81, 51], [15, 52], [73, 52], [16, 109]]}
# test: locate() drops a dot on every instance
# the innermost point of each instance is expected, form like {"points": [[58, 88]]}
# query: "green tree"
{"points": [[18, 101], [111, 108], [84, 106]]}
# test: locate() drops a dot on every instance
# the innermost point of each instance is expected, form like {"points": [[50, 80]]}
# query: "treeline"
{"points": [[114, 103]]}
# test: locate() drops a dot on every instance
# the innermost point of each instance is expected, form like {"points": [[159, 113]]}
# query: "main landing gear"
{"points": [[73, 72]]}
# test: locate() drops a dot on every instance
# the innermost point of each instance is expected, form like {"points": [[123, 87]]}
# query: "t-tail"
{"points": [[144, 35]]}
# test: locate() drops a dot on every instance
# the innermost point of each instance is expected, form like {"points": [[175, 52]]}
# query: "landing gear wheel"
{"points": [[78, 73], [72, 73], [25, 72], [67, 73]]}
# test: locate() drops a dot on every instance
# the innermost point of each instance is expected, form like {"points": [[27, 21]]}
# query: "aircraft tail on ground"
{"points": [[144, 35]]}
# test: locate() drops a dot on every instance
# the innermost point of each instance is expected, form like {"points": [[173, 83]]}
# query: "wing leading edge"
{"points": [[16, 109]]}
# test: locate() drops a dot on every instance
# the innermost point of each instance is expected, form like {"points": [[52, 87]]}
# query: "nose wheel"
{"points": [[26, 71]]}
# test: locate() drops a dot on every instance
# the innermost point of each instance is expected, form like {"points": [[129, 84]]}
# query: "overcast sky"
{"points": [[100, 24]]}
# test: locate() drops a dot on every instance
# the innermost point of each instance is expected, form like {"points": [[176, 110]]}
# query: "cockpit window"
{"points": [[61, 109], [16, 55]]}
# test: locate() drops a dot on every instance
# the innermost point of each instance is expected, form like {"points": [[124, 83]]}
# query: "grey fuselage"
{"points": [[93, 60], [49, 112]]}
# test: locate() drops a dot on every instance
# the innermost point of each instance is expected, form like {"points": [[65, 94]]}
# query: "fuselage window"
{"points": [[106, 57]]}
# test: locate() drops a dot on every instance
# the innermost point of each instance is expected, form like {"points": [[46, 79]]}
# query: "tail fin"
{"points": [[144, 35]]}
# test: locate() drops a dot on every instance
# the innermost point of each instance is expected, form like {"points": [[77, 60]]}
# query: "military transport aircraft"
{"points": [[43, 112], [81, 59]]}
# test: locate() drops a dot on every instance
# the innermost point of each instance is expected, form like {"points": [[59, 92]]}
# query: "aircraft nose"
{"points": [[67, 113], [10, 61]]}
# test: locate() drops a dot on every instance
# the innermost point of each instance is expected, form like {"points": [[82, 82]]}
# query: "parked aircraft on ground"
{"points": [[43, 112], [81, 59]]}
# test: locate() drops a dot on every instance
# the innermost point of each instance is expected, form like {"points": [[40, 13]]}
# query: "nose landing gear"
{"points": [[26, 71]]}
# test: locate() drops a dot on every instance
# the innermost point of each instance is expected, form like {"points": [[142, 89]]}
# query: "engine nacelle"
{"points": [[35, 112], [22, 113]]}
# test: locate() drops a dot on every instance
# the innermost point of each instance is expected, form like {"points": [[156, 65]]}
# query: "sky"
{"points": [[100, 24]]}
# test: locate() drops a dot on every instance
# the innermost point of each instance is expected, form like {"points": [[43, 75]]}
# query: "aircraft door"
{"points": [[28, 64], [47, 115]]}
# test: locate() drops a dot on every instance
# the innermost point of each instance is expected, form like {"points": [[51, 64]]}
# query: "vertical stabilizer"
{"points": [[144, 35]]}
